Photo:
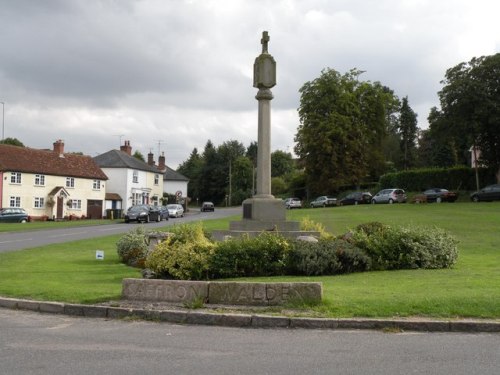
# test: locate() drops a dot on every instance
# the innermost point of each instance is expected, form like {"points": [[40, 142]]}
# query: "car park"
{"points": [[143, 213], [487, 194], [390, 196], [207, 206], [293, 203], [175, 210], [13, 215], [357, 197], [323, 201]]}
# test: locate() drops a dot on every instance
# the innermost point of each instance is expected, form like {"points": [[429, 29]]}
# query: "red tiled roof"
{"points": [[30, 160]]}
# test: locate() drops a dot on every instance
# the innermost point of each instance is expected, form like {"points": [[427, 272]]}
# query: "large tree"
{"points": [[343, 123], [470, 109], [408, 132]]}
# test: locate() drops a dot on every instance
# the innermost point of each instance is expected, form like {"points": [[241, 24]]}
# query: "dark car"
{"points": [[488, 193], [143, 213], [13, 215], [163, 213], [207, 206], [357, 197], [439, 195]]}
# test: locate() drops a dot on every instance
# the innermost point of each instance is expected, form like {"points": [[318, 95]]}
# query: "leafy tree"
{"points": [[12, 141], [252, 153], [470, 109], [139, 155], [191, 168], [343, 123], [281, 163], [408, 129]]}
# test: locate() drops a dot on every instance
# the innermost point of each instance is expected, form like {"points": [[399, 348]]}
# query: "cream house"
{"points": [[50, 183]]}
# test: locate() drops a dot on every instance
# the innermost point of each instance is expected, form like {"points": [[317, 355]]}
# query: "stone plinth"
{"points": [[221, 293]]}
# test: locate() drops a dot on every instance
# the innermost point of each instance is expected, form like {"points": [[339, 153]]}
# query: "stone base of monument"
{"points": [[221, 293], [263, 215]]}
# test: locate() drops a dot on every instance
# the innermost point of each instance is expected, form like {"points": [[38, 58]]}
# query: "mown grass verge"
{"points": [[70, 273]]}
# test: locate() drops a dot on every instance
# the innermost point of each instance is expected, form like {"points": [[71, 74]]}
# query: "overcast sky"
{"points": [[168, 75]]}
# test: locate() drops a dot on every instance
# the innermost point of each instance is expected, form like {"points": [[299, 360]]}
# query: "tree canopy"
{"points": [[343, 122], [470, 110]]}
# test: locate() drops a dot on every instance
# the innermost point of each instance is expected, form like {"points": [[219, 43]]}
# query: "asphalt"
{"points": [[178, 315]]}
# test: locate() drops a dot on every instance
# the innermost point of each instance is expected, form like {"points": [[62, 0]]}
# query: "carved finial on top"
{"points": [[265, 39]]}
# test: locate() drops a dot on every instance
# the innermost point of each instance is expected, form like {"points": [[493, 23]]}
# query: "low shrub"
{"points": [[406, 248], [306, 224], [184, 255], [132, 247], [326, 257], [264, 255]]}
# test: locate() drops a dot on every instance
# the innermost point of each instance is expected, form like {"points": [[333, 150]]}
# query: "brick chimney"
{"points": [[59, 147], [151, 161], [126, 148], [161, 162]]}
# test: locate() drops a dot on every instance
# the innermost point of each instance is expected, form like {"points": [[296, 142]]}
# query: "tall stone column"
{"points": [[264, 97], [264, 78]]}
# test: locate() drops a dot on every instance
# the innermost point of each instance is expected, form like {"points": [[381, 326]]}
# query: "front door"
{"points": [[60, 203]]}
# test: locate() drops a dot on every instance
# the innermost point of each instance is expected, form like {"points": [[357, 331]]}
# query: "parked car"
{"points": [[357, 197], [323, 201], [293, 203], [175, 210], [438, 195], [488, 193], [207, 206], [142, 213], [163, 213], [389, 196], [13, 215]]}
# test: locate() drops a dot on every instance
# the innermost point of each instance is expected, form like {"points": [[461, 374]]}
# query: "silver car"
{"points": [[175, 210], [389, 196]]}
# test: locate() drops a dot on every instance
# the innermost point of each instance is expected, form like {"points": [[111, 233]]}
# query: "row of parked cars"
{"points": [[488, 193], [146, 213]]}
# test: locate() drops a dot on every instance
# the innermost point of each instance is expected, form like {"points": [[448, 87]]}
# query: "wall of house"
{"points": [[27, 191], [172, 187]]}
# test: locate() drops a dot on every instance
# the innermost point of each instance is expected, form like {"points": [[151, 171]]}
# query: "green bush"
{"points": [[306, 224], [406, 248], [132, 248], [184, 255], [264, 255], [326, 257]]}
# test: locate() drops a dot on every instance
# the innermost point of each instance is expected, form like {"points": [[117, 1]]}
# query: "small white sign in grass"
{"points": [[99, 254]]}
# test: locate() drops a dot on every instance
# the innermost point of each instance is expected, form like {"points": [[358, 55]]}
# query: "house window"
{"points": [[39, 202], [70, 182], [15, 177], [157, 179], [96, 185], [135, 177], [40, 180], [15, 201], [76, 204]]}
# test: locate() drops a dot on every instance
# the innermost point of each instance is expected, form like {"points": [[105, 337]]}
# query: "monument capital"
{"points": [[264, 68]]}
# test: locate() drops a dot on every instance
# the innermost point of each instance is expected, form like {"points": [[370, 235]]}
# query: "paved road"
{"points": [[21, 240], [32, 343]]}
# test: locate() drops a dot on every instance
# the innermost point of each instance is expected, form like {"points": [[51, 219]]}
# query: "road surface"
{"points": [[33, 343], [22, 240]]}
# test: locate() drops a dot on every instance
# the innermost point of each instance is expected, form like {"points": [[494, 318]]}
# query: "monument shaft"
{"points": [[264, 144]]}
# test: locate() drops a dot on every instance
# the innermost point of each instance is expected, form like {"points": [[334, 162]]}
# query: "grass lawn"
{"points": [[70, 273], [35, 225]]}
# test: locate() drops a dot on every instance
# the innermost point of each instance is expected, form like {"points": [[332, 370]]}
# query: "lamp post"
{"points": [[3, 120]]}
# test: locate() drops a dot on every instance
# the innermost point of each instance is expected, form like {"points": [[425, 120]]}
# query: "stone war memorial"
{"points": [[263, 212]]}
